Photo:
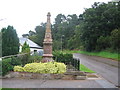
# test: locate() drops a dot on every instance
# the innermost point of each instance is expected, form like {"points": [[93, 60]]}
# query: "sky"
{"points": [[25, 15]]}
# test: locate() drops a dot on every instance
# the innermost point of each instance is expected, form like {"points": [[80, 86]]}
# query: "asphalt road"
{"points": [[106, 68], [36, 83]]}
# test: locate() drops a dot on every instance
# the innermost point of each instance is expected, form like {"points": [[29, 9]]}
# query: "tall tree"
{"points": [[38, 35], [99, 21], [0, 44], [64, 26], [10, 41], [31, 33]]}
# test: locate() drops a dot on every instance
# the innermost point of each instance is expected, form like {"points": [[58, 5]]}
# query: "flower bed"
{"points": [[49, 67], [29, 71]]}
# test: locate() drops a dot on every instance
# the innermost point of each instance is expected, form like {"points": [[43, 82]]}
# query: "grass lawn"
{"points": [[85, 69], [104, 54]]}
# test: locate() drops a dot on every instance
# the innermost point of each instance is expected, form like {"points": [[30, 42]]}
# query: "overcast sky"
{"points": [[25, 15]]}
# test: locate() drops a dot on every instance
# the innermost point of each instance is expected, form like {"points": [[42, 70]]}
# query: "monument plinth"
{"points": [[47, 44]]}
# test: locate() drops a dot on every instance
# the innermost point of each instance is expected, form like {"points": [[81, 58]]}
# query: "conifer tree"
{"points": [[25, 48], [10, 41]]}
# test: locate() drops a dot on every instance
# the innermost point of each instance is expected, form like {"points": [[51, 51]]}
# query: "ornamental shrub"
{"points": [[18, 69], [24, 58], [35, 58], [49, 67], [6, 66], [34, 67], [0, 67], [62, 57], [15, 61], [61, 67]]}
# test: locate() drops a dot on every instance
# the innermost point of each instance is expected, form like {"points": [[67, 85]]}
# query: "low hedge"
{"points": [[49, 67], [34, 58], [62, 57]]}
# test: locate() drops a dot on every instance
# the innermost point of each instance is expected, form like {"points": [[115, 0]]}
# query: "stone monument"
{"points": [[47, 44]]}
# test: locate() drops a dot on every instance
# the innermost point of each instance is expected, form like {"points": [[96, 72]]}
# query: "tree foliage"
{"points": [[0, 44], [99, 21], [94, 30], [38, 35], [64, 26], [10, 41], [25, 48]]}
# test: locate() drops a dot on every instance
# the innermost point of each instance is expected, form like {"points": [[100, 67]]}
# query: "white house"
{"points": [[33, 46]]}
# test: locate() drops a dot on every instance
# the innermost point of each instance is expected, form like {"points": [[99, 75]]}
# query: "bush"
{"points": [[0, 68], [61, 67], [24, 58], [62, 57], [35, 58], [6, 66], [15, 61], [49, 67], [18, 69]]}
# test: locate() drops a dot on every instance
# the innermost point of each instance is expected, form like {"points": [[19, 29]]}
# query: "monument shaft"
{"points": [[47, 44]]}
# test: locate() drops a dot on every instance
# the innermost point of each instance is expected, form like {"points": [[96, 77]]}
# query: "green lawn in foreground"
{"points": [[85, 69], [101, 54]]}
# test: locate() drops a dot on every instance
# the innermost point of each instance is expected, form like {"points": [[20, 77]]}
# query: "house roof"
{"points": [[28, 41]]}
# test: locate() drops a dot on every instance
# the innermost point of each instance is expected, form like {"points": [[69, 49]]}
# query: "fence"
{"points": [[12, 56], [18, 57], [75, 63]]}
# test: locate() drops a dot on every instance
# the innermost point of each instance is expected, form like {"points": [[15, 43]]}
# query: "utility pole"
{"points": [[62, 42]]}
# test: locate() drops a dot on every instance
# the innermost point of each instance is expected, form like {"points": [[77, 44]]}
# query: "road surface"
{"points": [[36, 83], [107, 68]]}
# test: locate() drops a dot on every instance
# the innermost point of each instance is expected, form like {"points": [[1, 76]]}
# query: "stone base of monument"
{"points": [[73, 75]]}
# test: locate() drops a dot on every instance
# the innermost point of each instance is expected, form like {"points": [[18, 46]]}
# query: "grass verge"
{"points": [[104, 54], [85, 69]]}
